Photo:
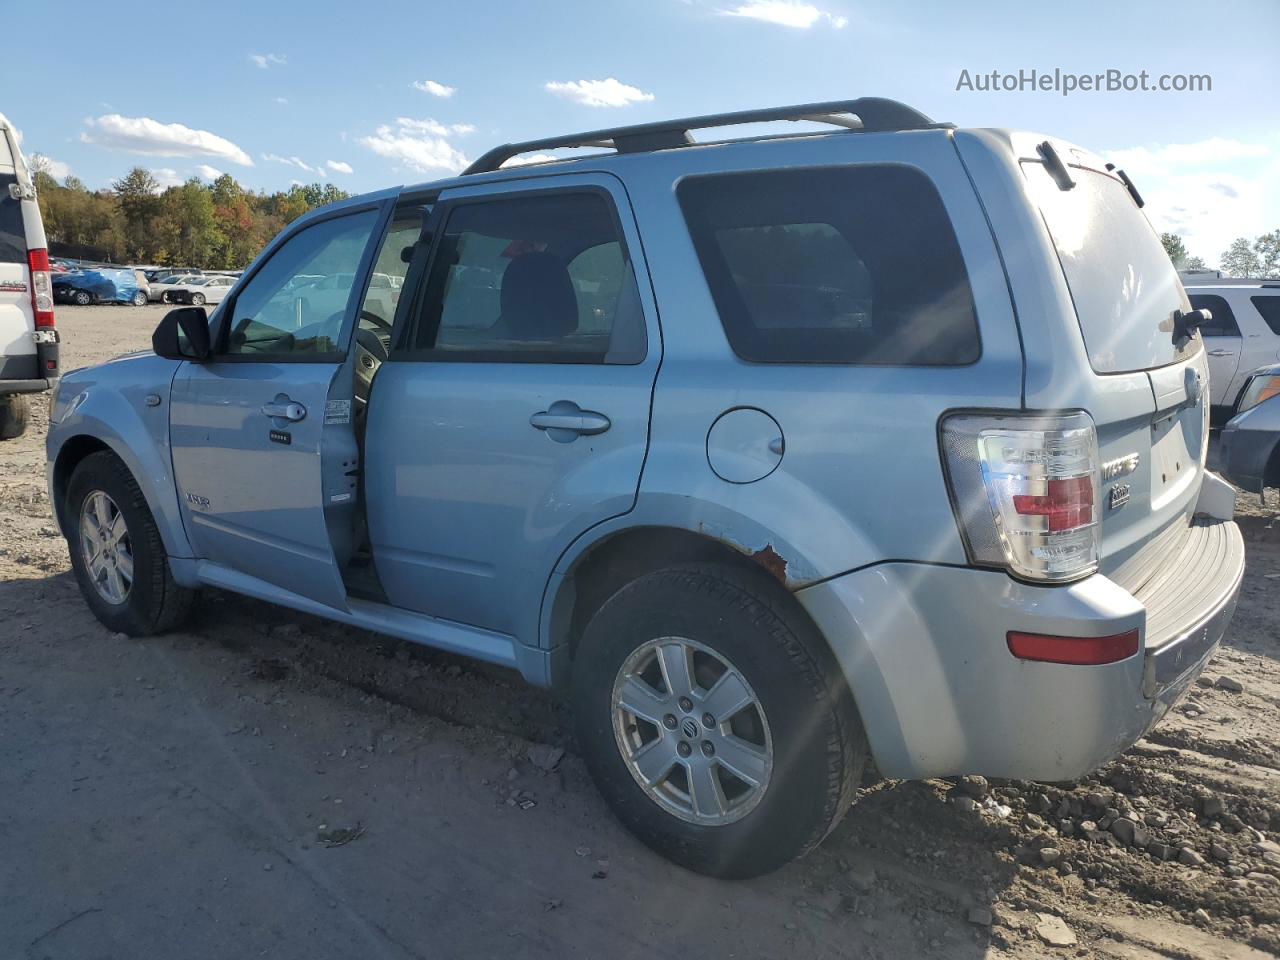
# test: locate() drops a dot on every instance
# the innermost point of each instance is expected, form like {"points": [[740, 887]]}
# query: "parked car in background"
{"points": [[1243, 334], [757, 449], [28, 340], [162, 273], [201, 290], [1250, 443], [162, 288], [103, 285]]}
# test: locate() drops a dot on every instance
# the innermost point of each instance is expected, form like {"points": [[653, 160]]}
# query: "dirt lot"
{"points": [[269, 784]]}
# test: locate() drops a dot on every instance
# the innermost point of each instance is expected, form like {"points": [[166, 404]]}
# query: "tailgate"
{"points": [[1146, 389]]}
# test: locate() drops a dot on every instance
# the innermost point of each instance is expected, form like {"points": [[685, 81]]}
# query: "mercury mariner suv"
{"points": [[876, 438]]}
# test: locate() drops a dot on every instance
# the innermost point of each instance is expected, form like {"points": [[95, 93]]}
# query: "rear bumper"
{"points": [[9, 387], [925, 653]]}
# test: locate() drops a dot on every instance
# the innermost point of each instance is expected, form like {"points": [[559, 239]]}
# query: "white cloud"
{"points": [[54, 168], [434, 88], [206, 172], [1158, 159], [298, 162], [1209, 192], [786, 13], [599, 93], [268, 60], [434, 127], [283, 101], [166, 177], [144, 135], [341, 166], [419, 145]]}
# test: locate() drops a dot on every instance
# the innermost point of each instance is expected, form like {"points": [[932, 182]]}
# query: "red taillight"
{"points": [[41, 288], [1082, 651], [1067, 503]]}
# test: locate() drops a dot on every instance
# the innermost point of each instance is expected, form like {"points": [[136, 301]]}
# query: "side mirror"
{"points": [[183, 334]]}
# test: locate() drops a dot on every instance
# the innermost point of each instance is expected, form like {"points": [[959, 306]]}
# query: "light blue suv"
{"points": [[885, 439]]}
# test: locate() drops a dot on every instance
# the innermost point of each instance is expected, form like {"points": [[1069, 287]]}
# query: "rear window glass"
{"points": [[1222, 321], [838, 265], [1123, 284], [1269, 307], [13, 236]]}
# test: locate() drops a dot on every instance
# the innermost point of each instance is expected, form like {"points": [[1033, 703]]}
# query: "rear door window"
{"points": [[1269, 307], [13, 235], [851, 264], [1124, 286], [1222, 322]]}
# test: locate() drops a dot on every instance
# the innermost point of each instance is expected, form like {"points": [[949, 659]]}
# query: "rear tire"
{"points": [[82, 298], [140, 298], [198, 299], [150, 602], [809, 749], [14, 412]]}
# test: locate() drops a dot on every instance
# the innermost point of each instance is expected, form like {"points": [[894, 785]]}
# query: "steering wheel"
{"points": [[377, 321]]}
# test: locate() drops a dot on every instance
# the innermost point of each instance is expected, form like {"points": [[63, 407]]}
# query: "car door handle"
{"points": [[564, 420], [1221, 353], [284, 409]]}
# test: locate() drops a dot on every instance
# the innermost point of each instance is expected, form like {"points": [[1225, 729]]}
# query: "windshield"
{"points": [[1124, 286]]}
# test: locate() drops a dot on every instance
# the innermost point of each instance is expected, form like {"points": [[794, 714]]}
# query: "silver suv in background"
{"points": [[775, 454], [28, 340]]}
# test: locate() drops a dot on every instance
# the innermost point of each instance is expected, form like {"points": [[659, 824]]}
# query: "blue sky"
{"points": [[378, 93]]}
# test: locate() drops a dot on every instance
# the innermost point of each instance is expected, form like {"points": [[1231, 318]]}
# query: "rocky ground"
{"points": [[265, 783]]}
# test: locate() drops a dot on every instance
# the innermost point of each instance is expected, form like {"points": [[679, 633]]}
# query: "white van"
{"points": [[28, 340]]}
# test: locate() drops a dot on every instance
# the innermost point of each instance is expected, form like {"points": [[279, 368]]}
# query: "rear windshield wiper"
{"points": [[1128, 185]]}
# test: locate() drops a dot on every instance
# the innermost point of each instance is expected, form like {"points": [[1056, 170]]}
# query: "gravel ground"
{"points": [[270, 784]]}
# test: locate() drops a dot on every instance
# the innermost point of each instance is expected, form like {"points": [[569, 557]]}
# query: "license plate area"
{"points": [[1175, 454]]}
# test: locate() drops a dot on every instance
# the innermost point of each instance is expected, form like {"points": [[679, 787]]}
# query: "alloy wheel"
{"points": [[106, 547], [692, 732]]}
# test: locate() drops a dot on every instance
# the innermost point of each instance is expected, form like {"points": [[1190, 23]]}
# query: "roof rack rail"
{"points": [[864, 114]]}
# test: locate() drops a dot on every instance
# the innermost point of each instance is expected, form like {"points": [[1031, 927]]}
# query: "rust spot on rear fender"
{"points": [[772, 561]]}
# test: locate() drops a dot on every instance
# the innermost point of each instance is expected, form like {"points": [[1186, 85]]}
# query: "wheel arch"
{"points": [[598, 569]]}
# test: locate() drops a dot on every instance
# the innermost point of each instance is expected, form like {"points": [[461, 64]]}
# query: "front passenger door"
{"points": [[263, 444]]}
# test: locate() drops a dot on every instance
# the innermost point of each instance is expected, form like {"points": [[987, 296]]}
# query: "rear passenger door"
{"points": [[1222, 343], [513, 412]]}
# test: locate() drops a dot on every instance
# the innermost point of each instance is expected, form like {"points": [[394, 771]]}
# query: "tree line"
{"points": [[213, 226], [1258, 258]]}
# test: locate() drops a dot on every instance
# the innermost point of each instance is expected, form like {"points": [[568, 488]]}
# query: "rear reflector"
{"points": [[1083, 651], [41, 288]]}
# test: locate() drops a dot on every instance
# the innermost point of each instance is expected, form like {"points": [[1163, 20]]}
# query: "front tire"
{"points": [[14, 412], [116, 551], [140, 298], [82, 298], [713, 720]]}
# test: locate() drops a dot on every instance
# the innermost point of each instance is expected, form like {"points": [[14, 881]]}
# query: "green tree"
{"points": [[1240, 259], [187, 226], [1195, 263], [1175, 248], [136, 192], [1267, 248]]}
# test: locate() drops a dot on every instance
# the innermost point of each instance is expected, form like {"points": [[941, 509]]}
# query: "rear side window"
{"points": [[837, 265], [13, 236], [1269, 307], [1222, 322], [532, 279], [1122, 282]]}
